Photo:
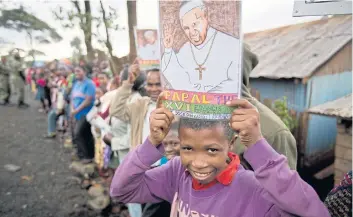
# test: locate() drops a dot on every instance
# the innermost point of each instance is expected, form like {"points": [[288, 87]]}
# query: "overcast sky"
{"points": [[257, 15]]}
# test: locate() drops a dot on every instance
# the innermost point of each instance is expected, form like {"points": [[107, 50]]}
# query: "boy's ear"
{"points": [[232, 142]]}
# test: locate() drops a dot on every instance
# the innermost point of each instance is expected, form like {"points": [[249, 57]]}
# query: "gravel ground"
{"points": [[44, 186]]}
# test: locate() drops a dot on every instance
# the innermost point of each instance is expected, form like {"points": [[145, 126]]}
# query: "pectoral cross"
{"points": [[200, 68]]}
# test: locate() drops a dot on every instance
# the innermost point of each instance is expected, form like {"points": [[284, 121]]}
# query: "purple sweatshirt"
{"points": [[272, 190]]}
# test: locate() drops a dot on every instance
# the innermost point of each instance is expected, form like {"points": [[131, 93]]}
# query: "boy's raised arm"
{"points": [[135, 182], [282, 186], [279, 185]]}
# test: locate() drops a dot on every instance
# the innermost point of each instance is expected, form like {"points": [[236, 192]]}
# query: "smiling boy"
{"points": [[207, 179]]}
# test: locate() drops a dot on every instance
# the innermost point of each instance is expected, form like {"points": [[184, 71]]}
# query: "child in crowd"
{"points": [[92, 117], [40, 85], [47, 88], [95, 79], [58, 106], [60, 103], [171, 145], [207, 179]]}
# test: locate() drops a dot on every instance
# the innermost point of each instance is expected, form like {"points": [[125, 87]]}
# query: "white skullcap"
{"points": [[188, 6], [149, 33]]}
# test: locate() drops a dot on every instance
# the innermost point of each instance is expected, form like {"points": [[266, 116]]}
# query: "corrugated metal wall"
{"points": [[322, 130], [276, 89]]}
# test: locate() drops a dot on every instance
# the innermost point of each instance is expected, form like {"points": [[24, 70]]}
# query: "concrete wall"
{"points": [[343, 152]]}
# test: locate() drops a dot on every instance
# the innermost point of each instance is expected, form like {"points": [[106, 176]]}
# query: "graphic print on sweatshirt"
{"points": [[182, 209]]}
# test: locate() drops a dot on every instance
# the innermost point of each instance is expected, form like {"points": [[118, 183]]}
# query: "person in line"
{"points": [[82, 100], [58, 104], [339, 200], [171, 145], [137, 113], [208, 179], [273, 129], [121, 132], [47, 90], [96, 115], [5, 88], [105, 68], [40, 87], [71, 79], [103, 80], [17, 79]]}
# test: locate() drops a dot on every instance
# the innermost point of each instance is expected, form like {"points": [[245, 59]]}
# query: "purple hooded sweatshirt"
{"points": [[273, 190]]}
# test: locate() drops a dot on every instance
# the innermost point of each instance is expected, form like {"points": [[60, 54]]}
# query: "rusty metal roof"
{"points": [[341, 107], [297, 51]]}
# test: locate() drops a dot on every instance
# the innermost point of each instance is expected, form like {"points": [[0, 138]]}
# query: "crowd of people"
{"points": [[82, 103], [118, 123]]}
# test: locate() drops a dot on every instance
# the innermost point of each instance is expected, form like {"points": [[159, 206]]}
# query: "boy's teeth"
{"points": [[202, 174]]}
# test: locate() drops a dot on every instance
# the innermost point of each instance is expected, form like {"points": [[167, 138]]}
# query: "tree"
{"points": [[76, 44], [71, 17], [33, 52], [109, 18], [84, 18], [20, 20], [37, 30], [109, 24], [132, 21]]}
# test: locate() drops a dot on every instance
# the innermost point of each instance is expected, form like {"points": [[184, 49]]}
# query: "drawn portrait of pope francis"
{"points": [[208, 62]]}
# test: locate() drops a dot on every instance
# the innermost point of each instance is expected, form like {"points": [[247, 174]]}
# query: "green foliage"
{"points": [[109, 20], [78, 16], [76, 43], [77, 51], [20, 20], [34, 52], [280, 107]]}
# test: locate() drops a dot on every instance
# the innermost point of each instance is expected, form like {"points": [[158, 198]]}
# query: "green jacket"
{"points": [[273, 129], [4, 69]]}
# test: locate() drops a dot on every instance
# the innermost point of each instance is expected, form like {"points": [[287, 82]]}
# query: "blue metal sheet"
{"points": [[322, 130], [276, 89], [321, 135], [329, 87]]}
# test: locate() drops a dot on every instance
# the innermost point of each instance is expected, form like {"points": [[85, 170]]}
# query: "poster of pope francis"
{"points": [[201, 53]]}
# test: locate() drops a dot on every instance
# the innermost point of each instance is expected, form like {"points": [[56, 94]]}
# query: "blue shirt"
{"points": [[164, 160], [80, 90]]}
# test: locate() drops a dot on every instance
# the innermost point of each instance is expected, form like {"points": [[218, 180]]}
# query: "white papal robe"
{"points": [[149, 52], [221, 72]]}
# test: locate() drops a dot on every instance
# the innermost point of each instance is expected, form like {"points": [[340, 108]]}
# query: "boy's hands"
{"points": [[160, 122], [246, 121]]}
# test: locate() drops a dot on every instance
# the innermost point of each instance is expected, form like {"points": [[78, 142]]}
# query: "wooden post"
{"points": [[268, 103]]}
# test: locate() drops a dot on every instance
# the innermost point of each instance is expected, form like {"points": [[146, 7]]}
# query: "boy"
{"points": [[171, 143], [207, 179]]}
